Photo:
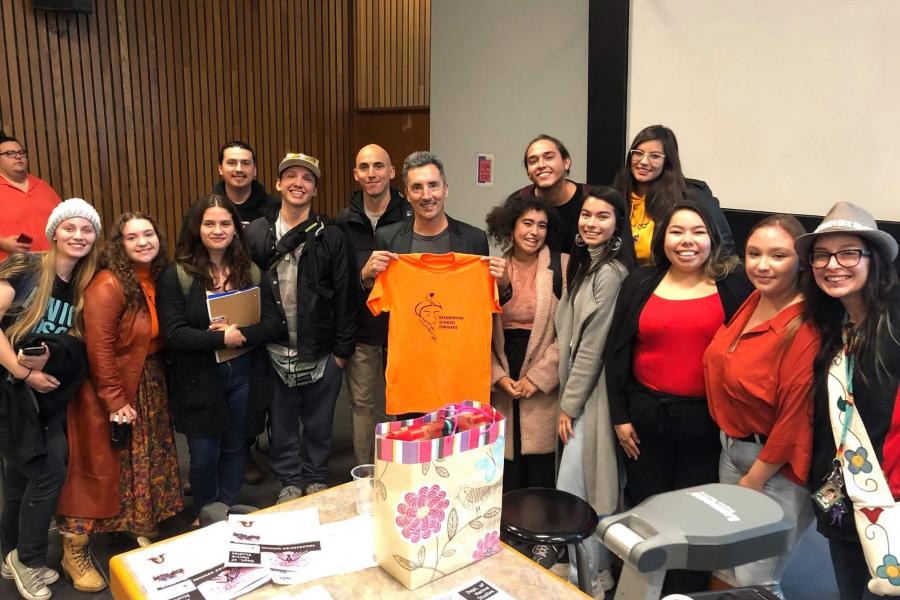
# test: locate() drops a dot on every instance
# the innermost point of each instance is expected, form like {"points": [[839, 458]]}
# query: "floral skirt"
{"points": [[149, 484]]}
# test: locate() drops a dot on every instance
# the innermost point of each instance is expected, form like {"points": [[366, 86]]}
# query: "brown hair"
{"points": [[114, 259]]}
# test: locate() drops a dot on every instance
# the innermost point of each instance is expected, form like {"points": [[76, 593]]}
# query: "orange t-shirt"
{"points": [[439, 337]]}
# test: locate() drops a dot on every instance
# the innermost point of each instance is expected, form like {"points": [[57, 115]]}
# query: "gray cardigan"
{"points": [[582, 324]]}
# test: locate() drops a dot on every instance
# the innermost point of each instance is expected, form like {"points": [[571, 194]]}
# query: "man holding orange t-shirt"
{"points": [[455, 288]]}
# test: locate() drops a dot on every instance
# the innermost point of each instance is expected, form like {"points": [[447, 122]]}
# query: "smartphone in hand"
{"points": [[24, 239], [34, 350]]}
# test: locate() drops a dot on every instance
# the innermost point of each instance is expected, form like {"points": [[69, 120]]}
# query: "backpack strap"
{"points": [[556, 268], [184, 279]]}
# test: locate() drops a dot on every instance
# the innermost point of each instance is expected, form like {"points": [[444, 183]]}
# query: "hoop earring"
{"points": [[578, 241], [615, 243]]}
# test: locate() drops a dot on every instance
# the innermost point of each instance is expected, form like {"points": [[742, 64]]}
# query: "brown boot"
{"points": [[77, 565]]}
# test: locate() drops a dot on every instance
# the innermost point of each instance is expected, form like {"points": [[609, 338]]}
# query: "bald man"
{"points": [[374, 205]]}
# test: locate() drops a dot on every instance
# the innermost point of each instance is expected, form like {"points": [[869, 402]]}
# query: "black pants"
{"points": [[850, 569], [524, 470], [30, 493], [679, 448], [295, 460]]}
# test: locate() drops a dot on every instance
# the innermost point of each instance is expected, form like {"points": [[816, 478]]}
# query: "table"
{"points": [[511, 571]]}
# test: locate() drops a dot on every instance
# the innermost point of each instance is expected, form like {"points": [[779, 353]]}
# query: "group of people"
{"points": [[662, 360], [630, 332]]}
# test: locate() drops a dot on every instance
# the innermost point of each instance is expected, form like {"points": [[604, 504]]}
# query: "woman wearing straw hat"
{"points": [[854, 300]]}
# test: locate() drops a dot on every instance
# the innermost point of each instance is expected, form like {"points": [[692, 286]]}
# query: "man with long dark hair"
{"points": [[547, 162]]}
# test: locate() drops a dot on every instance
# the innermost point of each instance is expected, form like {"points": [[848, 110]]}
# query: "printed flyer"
{"points": [[287, 541]]}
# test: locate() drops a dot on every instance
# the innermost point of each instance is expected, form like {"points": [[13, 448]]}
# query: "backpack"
{"points": [[185, 279]]}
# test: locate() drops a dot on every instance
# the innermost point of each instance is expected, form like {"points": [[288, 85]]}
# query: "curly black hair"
{"points": [[114, 259], [501, 221]]}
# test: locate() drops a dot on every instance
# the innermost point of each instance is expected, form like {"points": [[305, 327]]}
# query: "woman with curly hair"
{"points": [[524, 355], [135, 485], [42, 301]]}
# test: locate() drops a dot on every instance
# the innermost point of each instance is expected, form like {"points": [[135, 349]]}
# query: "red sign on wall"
{"points": [[484, 170]]}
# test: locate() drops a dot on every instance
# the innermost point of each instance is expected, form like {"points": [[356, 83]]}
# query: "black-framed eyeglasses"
{"points": [[13, 154], [847, 258], [639, 155]]}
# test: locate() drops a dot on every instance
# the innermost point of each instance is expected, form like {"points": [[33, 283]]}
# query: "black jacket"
{"points": [[464, 238], [635, 291], [700, 193], [255, 206], [361, 238], [875, 404], [24, 412], [195, 389], [326, 289]]}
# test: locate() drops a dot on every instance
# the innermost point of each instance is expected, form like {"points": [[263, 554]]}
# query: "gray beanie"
{"points": [[73, 207]]}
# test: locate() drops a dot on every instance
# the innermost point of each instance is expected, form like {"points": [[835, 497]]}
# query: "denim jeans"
{"points": [[736, 460], [217, 462], [571, 479], [295, 460], [30, 493]]}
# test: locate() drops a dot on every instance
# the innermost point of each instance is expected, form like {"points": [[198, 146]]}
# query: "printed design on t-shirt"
{"points": [[57, 317], [637, 229], [429, 313], [431, 316]]}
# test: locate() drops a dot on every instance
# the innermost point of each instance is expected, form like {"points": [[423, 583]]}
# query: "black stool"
{"points": [[548, 516]]}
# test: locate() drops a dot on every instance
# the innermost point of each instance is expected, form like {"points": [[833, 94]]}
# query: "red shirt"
{"points": [[26, 212], [756, 384], [672, 336]]}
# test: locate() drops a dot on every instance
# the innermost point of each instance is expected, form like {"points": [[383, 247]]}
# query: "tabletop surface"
{"points": [[512, 572]]}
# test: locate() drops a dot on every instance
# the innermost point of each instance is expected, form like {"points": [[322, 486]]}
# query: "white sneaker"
{"points": [[605, 582], [49, 575], [29, 581], [288, 493]]}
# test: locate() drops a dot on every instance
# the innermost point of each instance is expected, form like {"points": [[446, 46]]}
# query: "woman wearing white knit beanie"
{"points": [[41, 296]]}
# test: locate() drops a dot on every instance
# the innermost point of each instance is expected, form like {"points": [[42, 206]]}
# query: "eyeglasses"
{"points": [[13, 154], [846, 258], [639, 155]]}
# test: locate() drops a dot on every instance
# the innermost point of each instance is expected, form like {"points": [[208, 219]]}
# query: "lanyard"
{"points": [[849, 365]]}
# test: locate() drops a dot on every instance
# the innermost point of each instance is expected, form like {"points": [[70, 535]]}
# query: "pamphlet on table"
{"points": [[287, 541], [475, 589]]}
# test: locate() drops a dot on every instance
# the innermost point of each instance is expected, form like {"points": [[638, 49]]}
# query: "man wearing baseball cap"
{"points": [[25, 202], [306, 258]]}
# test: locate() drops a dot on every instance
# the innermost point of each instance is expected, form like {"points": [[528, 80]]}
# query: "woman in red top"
{"points": [[759, 388], [664, 319]]}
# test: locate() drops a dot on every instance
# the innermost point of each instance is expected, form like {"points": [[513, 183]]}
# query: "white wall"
{"points": [[502, 72], [778, 105]]}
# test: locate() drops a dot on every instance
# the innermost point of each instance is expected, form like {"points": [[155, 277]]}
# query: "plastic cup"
{"points": [[364, 477]]}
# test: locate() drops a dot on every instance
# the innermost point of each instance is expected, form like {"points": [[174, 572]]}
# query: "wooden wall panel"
{"points": [[128, 106], [392, 54]]}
